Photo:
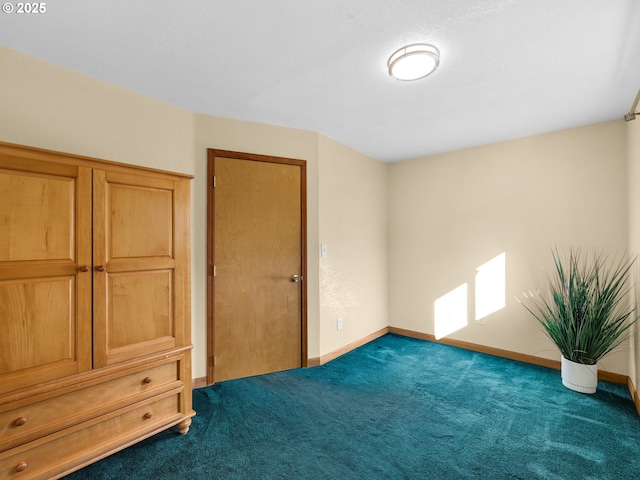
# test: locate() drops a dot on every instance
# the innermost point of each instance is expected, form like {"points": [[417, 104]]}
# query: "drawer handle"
{"points": [[147, 380], [18, 422], [21, 466], [148, 415]]}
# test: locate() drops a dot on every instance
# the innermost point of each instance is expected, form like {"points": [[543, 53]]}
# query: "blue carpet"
{"points": [[396, 408]]}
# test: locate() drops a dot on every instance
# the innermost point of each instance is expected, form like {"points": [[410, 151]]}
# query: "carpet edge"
{"points": [[498, 352], [317, 361]]}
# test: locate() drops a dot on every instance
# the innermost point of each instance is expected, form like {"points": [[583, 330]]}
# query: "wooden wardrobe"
{"points": [[95, 343]]}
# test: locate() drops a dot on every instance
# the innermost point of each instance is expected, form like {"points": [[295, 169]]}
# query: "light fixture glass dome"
{"points": [[414, 61]]}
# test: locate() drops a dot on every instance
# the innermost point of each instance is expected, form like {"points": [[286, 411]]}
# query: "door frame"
{"points": [[212, 153]]}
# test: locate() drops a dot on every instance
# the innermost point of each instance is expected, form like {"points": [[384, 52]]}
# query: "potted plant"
{"points": [[586, 313]]}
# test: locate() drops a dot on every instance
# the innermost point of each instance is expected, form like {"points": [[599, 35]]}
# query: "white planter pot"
{"points": [[579, 377]]}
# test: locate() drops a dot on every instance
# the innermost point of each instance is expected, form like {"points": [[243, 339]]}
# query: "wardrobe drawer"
{"points": [[66, 450], [24, 423]]}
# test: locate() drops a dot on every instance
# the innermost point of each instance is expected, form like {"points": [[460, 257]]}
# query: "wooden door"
{"points": [[140, 248], [45, 280], [257, 246]]}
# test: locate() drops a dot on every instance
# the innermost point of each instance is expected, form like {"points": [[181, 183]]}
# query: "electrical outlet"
{"points": [[339, 323]]}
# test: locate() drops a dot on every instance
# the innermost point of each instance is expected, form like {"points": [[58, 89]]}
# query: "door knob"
{"points": [[296, 278], [101, 268]]}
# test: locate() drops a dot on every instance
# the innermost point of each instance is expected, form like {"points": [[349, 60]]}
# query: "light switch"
{"points": [[323, 251]]}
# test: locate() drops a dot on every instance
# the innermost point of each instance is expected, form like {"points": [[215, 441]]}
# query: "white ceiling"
{"points": [[509, 68]]}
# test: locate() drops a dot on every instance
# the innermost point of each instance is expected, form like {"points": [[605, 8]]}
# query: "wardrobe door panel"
{"points": [[44, 334], [37, 216], [135, 257], [146, 211], [45, 231]]}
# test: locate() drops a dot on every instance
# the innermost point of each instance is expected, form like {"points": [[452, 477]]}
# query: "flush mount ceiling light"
{"points": [[414, 61]]}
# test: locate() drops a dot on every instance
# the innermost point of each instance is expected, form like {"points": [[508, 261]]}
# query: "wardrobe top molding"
{"points": [[36, 153]]}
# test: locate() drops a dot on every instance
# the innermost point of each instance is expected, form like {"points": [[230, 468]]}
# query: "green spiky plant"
{"points": [[587, 312]]}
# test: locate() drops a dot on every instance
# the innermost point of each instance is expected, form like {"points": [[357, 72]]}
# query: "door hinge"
{"points": [[213, 361], [214, 181], [214, 271]]}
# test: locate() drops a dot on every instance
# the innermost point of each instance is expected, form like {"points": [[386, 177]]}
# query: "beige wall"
{"points": [[353, 226], [47, 106], [633, 133], [453, 212]]}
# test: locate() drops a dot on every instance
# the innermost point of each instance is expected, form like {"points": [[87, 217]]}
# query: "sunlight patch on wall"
{"points": [[490, 286], [450, 312]]}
